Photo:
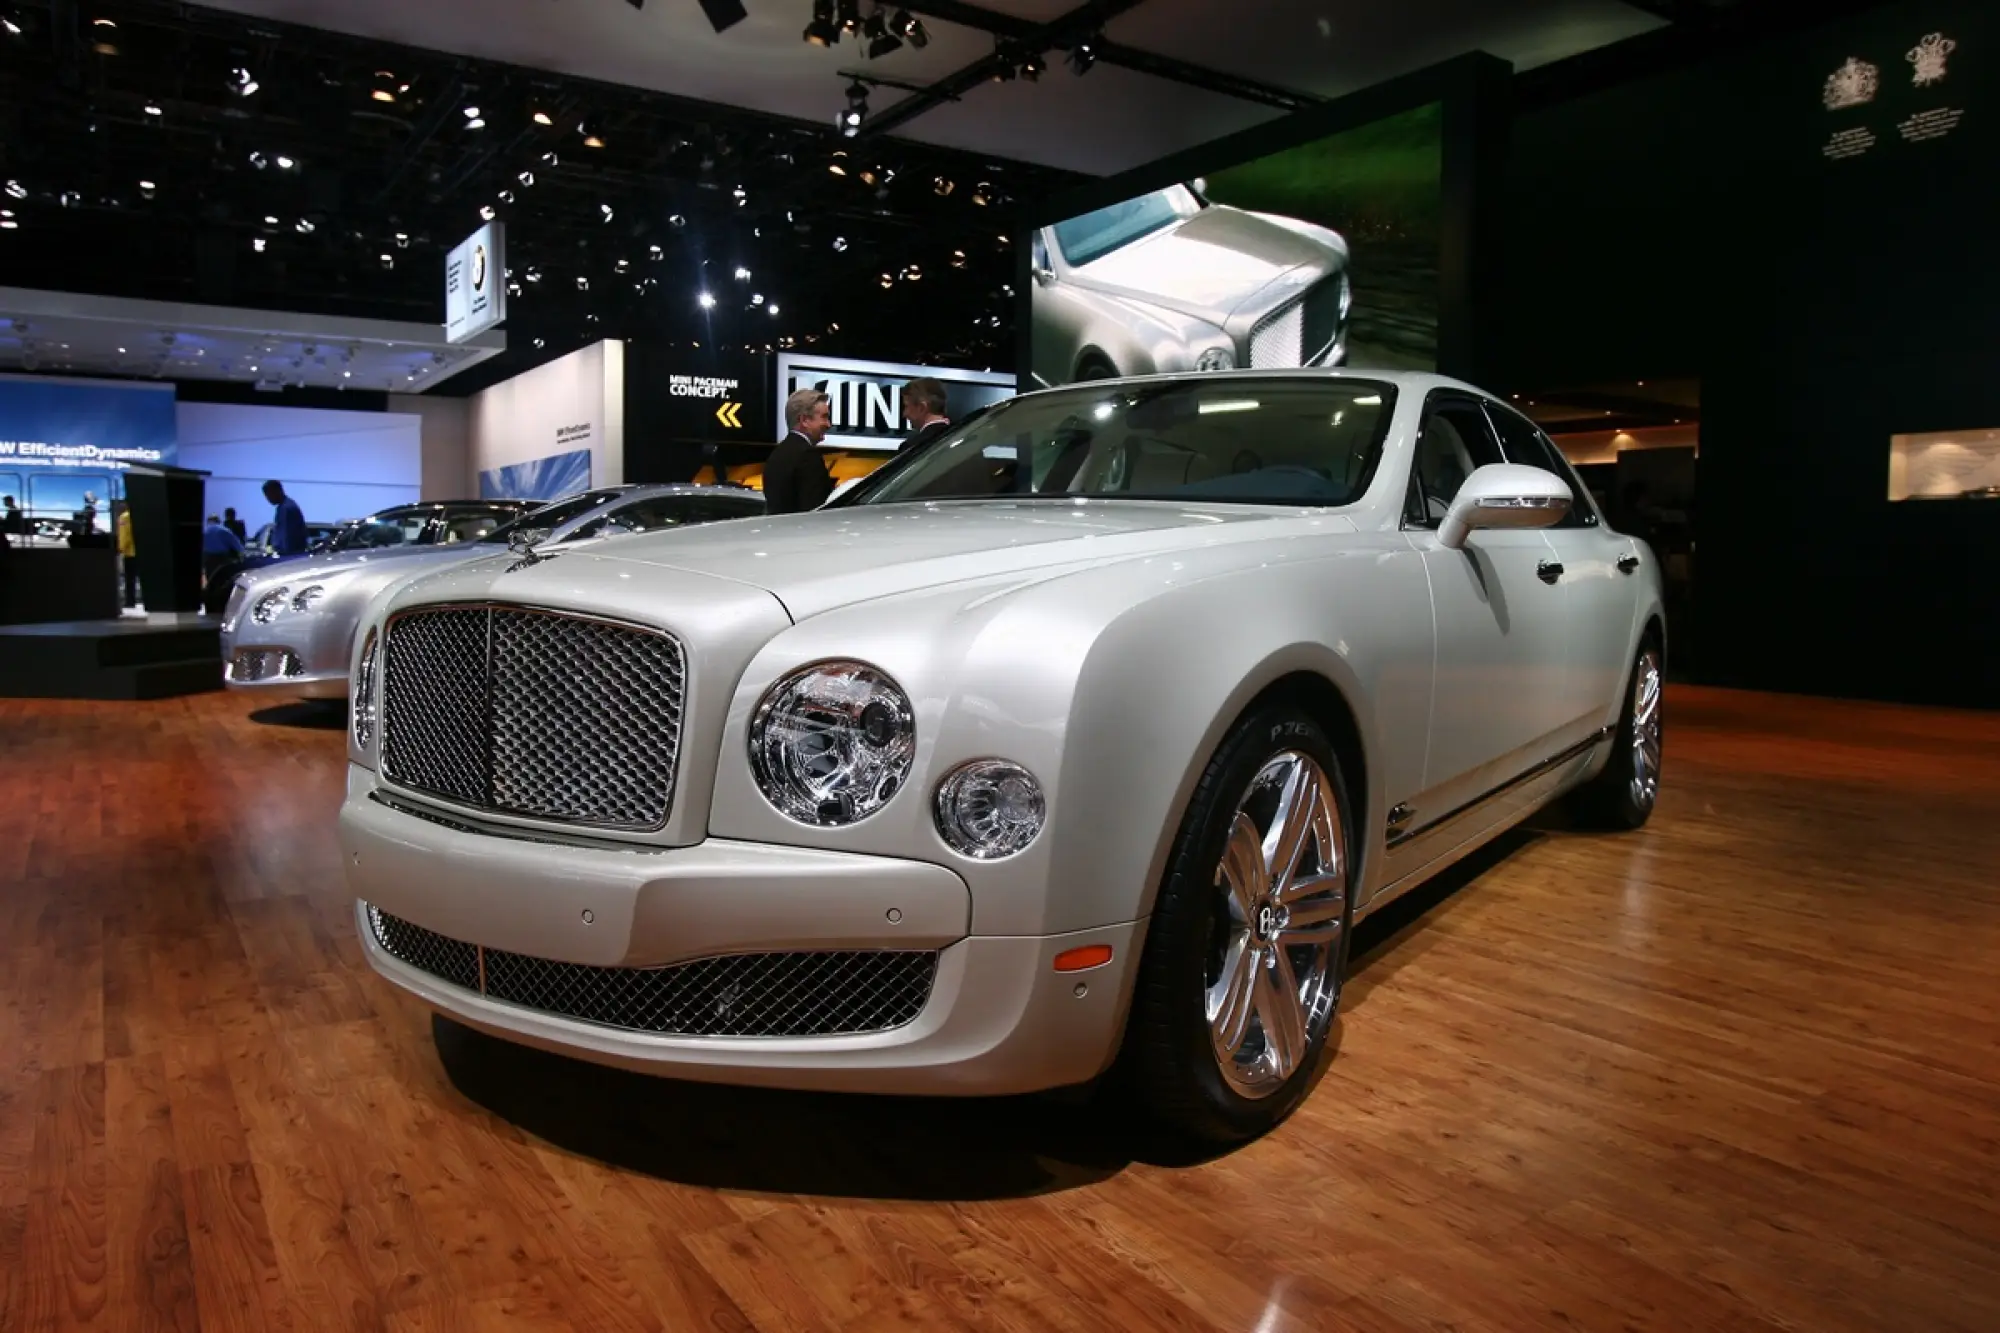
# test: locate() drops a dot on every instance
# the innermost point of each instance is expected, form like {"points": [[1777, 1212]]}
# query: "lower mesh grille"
{"points": [[796, 994]]}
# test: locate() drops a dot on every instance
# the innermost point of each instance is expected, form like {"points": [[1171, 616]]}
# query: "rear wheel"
{"points": [[1241, 980], [1623, 795]]}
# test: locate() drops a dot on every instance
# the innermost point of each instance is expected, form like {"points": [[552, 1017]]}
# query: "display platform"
{"points": [[132, 658]]}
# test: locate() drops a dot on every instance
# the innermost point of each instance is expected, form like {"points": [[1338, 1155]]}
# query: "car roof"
{"points": [[1413, 381]]}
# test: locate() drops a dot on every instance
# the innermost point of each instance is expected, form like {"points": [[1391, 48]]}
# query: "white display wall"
{"points": [[554, 430]]}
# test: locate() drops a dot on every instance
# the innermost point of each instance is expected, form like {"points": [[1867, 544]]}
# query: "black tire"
{"points": [[1173, 1065], [1618, 800]]}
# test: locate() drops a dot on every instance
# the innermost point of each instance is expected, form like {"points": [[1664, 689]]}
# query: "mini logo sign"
{"points": [[1927, 57], [1853, 84]]}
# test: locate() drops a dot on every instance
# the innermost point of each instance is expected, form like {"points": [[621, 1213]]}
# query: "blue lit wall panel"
{"points": [[547, 478]]}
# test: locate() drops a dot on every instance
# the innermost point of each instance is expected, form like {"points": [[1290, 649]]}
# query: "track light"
{"points": [[856, 111], [910, 28], [541, 117], [850, 17], [305, 227], [982, 194], [1032, 68], [473, 120], [386, 87], [1083, 55], [821, 31], [706, 301], [242, 82]]}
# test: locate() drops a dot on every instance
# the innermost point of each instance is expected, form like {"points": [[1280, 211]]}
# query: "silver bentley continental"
{"points": [[1076, 741]]}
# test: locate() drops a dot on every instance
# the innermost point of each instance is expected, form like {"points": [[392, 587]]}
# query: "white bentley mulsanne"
{"points": [[1074, 742]]}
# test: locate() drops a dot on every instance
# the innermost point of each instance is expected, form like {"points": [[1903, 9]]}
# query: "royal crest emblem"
{"points": [[1853, 84], [1928, 56]]}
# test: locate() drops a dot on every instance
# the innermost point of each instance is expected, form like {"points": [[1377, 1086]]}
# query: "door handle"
{"points": [[1549, 571], [1627, 563]]}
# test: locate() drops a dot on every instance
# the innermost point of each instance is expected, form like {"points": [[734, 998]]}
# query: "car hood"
{"points": [[819, 561], [327, 564], [1213, 264]]}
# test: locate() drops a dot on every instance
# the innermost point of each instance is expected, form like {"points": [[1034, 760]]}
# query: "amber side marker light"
{"points": [[1084, 958]]}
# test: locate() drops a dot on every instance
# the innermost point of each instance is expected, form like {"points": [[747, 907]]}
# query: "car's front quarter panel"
{"points": [[1094, 680]]}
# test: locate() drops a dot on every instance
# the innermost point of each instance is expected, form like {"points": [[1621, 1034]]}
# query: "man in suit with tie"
{"points": [[795, 476], [925, 404]]}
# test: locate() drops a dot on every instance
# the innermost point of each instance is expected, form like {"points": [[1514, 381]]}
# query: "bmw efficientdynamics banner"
{"points": [[475, 283], [867, 396]]}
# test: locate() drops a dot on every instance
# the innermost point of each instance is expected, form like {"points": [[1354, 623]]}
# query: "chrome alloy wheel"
{"points": [[1646, 685], [1271, 983]]}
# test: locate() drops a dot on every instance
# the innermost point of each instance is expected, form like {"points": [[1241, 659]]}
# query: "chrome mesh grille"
{"points": [[533, 713], [1304, 332], [793, 994]]}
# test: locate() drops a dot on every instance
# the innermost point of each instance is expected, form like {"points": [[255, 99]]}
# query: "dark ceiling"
{"points": [[137, 162]]}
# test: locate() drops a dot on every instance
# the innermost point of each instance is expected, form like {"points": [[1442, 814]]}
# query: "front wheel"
{"points": [[1241, 979], [1622, 796]]}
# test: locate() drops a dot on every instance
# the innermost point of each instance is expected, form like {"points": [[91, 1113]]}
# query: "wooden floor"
{"points": [[1740, 1071]]}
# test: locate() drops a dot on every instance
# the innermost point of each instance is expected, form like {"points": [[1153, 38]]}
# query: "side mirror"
{"points": [[1505, 495]]}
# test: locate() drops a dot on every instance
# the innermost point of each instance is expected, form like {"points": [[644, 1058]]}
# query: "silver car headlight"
{"points": [[1216, 358], [307, 596], [361, 708], [270, 606], [989, 809], [832, 743]]}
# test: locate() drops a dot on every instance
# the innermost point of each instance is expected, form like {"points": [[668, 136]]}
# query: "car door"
{"points": [[1597, 568], [1499, 694]]}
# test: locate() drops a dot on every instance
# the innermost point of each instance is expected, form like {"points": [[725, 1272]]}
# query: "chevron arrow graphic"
{"points": [[728, 415]]}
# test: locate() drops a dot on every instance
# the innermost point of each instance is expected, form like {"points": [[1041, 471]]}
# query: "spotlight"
{"points": [[606, 210], [982, 194], [676, 221], [706, 301], [285, 163], [888, 281], [147, 188], [270, 220], [305, 227], [259, 161], [655, 253], [742, 274], [839, 244], [588, 133], [526, 178], [8, 24], [8, 223], [153, 109], [387, 87], [910, 28], [880, 40], [1083, 55], [850, 16], [388, 260], [402, 240], [622, 265], [944, 185], [850, 118], [756, 298], [773, 308], [486, 212], [1032, 68], [506, 196], [257, 244], [473, 120], [838, 165], [821, 32], [541, 117], [242, 82], [740, 195], [16, 190], [958, 259], [533, 275], [582, 283], [549, 159]]}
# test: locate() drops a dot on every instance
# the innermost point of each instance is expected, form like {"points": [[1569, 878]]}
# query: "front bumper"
{"points": [[998, 1019], [300, 655]]}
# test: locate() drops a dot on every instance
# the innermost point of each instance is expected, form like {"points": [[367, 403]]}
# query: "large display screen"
{"points": [[1321, 254], [64, 447]]}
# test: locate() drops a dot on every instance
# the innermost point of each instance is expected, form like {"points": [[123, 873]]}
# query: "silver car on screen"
{"points": [[1170, 282], [1085, 732], [288, 631]]}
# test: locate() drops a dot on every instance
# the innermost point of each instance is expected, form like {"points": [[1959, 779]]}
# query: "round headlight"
{"points": [[361, 708], [990, 808], [832, 743], [307, 596], [270, 605], [1216, 358]]}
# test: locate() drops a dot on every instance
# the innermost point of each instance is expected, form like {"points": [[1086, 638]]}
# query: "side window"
{"points": [[1525, 443], [468, 526], [1456, 438]]}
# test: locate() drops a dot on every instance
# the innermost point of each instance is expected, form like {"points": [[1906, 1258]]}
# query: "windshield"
{"points": [[391, 527], [1242, 439], [1098, 233], [552, 515]]}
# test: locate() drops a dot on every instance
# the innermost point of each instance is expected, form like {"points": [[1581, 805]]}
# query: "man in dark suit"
{"points": [[795, 476], [925, 404]]}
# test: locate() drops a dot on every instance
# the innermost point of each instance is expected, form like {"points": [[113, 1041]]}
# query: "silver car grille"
{"points": [[251, 665], [533, 713], [1303, 332], [794, 994]]}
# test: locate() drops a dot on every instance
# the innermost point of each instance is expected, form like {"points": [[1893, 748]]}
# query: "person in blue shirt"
{"points": [[288, 523], [218, 547]]}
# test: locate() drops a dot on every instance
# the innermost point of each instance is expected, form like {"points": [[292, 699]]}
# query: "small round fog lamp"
{"points": [[989, 809]]}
